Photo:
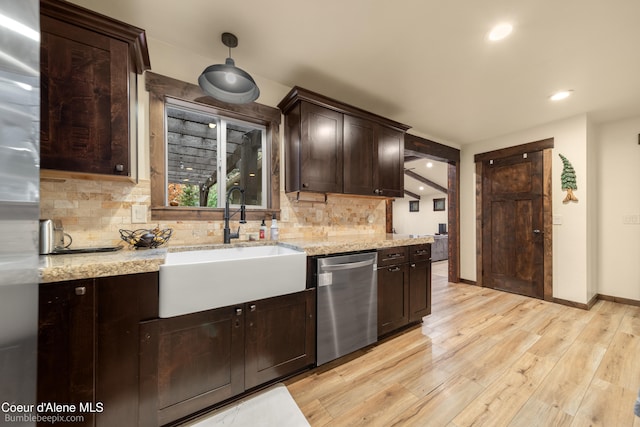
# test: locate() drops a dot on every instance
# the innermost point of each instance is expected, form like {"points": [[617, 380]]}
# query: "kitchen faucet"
{"points": [[228, 235]]}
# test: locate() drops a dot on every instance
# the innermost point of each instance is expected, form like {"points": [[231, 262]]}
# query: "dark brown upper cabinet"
{"points": [[313, 149], [88, 67], [332, 147]]}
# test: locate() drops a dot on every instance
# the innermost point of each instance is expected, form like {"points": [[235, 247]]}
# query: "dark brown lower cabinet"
{"points": [[66, 336], [419, 290], [280, 337], [393, 298], [195, 361], [404, 286], [88, 352]]}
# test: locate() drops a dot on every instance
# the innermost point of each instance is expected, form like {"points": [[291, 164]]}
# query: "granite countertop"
{"points": [[57, 268]]}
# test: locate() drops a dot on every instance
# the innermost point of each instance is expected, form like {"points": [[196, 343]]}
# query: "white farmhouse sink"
{"points": [[200, 280]]}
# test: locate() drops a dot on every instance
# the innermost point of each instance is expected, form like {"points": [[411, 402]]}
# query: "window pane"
{"points": [[200, 147], [244, 158], [192, 150]]}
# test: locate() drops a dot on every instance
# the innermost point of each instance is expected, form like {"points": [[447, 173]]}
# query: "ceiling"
{"points": [[425, 63], [436, 173]]}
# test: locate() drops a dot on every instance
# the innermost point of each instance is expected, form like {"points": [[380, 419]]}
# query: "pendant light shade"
{"points": [[226, 82]]}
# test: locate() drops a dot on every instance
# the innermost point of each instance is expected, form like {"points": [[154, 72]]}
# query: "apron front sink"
{"points": [[201, 280]]}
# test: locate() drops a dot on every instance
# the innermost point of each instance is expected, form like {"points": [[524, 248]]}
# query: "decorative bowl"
{"points": [[143, 238]]}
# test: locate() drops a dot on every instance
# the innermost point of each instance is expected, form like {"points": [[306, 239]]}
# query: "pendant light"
{"points": [[226, 82]]}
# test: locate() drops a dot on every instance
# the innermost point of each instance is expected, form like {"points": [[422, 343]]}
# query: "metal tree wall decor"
{"points": [[568, 178]]}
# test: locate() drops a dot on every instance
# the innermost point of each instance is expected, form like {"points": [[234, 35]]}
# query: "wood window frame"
{"points": [[160, 87]]}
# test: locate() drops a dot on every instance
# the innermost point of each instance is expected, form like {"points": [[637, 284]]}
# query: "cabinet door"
{"points": [[280, 336], [122, 302], [393, 298], [84, 120], [359, 156], [66, 335], [390, 162], [320, 149], [199, 361], [419, 290]]}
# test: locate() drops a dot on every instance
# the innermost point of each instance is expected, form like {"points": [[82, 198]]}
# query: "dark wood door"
{"points": [[84, 100], [199, 359], [122, 302], [419, 282], [320, 149], [512, 224], [359, 156], [390, 162], [66, 336], [393, 298], [280, 337]]}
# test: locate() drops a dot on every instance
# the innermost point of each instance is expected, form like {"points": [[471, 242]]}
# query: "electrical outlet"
{"points": [[631, 219], [138, 214]]}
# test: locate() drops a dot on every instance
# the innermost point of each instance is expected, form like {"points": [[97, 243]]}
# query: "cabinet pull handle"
{"points": [[252, 307], [394, 255], [394, 269], [377, 191], [238, 312], [421, 252], [119, 168], [413, 266], [81, 290]]}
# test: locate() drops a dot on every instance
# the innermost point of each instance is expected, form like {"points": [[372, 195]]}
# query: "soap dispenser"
{"points": [[263, 230], [274, 228]]}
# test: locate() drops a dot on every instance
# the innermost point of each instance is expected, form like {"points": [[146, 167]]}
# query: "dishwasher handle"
{"points": [[348, 266]]}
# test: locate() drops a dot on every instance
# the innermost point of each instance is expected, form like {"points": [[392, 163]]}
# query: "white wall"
{"points": [[570, 272], [619, 243], [424, 221]]}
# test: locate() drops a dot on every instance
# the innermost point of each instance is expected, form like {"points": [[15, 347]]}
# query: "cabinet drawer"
{"points": [[392, 256], [420, 252]]}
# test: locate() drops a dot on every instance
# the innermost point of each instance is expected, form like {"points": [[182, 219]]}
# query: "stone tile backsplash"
{"points": [[92, 212]]}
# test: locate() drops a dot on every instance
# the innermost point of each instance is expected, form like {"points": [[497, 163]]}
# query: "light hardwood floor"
{"points": [[487, 358]]}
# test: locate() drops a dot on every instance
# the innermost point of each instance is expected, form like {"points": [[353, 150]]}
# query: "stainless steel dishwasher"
{"points": [[347, 293]]}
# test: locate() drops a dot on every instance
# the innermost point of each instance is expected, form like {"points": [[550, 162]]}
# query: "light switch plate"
{"points": [[138, 214], [557, 220]]}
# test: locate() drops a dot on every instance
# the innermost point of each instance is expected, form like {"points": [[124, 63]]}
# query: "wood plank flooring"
{"points": [[486, 358]]}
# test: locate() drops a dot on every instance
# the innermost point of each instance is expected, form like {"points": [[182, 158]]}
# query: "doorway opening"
{"points": [[424, 150]]}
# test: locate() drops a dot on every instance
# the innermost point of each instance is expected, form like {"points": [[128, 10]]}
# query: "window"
{"points": [[200, 147], [207, 154]]}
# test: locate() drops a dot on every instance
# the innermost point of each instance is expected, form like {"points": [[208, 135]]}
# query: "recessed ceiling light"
{"points": [[421, 188], [500, 31], [429, 164], [558, 96]]}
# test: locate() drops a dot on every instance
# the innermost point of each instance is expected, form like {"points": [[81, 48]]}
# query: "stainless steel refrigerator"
{"points": [[19, 206]]}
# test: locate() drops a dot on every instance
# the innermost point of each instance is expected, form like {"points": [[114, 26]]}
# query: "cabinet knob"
{"points": [[305, 185], [238, 312], [81, 290], [252, 307], [119, 168], [413, 266], [377, 191]]}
